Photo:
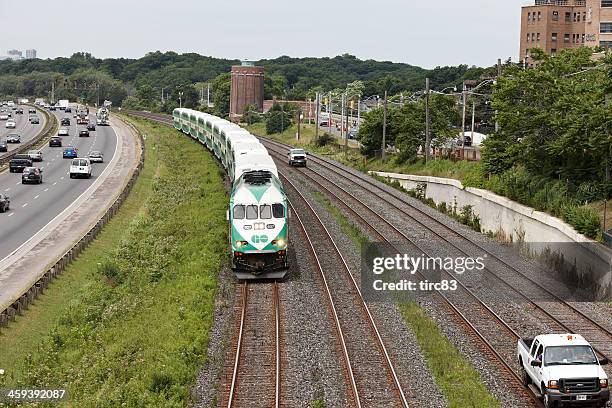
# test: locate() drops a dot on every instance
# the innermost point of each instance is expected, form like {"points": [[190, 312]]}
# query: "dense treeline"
{"points": [[143, 79]]}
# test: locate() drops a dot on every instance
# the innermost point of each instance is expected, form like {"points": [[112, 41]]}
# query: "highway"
{"points": [[34, 206], [23, 127]]}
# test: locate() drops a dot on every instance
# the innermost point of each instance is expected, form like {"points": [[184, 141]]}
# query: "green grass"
{"points": [[458, 380], [127, 323]]}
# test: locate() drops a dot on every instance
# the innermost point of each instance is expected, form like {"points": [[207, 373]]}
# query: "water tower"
{"points": [[247, 88]]}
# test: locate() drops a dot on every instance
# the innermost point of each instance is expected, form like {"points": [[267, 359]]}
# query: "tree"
{"points": [[278, 119], [221, 88], [251, 115]]}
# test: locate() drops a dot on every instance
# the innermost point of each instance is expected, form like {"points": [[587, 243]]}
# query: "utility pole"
{"points": [[208, 96], [384, 135], [162, 95], [318, 108], [180, 99], [427, 129], [358, 113], [463, 121], [329, 111], [343, 107], [499, 72], [347, 127], [53, 92], [299, 124]]}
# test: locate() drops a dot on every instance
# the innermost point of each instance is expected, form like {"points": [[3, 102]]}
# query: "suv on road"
{"points": [[563, 369], [19, 162], [13, 138], [80, 168], [32, 175], [5, 203], [63, 132], [55, 141], [65, 122], [35, 155], [297, 157]]}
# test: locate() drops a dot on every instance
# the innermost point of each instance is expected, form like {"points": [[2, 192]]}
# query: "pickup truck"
{"points": [[563, 370], [297, 157]]}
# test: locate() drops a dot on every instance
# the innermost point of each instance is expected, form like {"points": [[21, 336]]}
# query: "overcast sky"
{"points": [[426, 33]]}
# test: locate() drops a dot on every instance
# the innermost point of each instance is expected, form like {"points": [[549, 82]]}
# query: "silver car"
{"points": [[96, 157], [63, 132], [35, 155]]}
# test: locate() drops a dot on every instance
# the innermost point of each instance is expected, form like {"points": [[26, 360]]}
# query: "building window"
{"points": [[568, 17], [605, 27], [529, 16], [528, 37], [553, 51], [566, 38], [583, 38], [605, 44], [540, 15], [538, 38], [554, 37], [606, 3], [555, 16]]}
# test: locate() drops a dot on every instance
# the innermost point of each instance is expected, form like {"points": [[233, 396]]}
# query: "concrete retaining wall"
{"points": [[589, 263]]}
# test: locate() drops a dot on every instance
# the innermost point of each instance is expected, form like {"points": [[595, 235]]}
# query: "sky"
{"points": [[426, 33]]}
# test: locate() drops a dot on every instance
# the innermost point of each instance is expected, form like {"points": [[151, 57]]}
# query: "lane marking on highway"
{"points": [[61, 178], [55, 183], [36, 196], [7, 189], [17, 184], [46, 189], [25, 205]]}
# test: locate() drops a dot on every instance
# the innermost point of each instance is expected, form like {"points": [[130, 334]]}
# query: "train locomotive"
{"points": [[258, 210]]}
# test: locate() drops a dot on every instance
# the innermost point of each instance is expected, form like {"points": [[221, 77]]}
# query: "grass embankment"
{"points": [[127, 323], [457, 378]]}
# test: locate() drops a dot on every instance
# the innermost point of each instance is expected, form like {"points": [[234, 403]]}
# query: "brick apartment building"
{"points": [[553, 25]]}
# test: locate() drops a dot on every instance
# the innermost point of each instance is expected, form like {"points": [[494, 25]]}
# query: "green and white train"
{"points": [[258, 210]]}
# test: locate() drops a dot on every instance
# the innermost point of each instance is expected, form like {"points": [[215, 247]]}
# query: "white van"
{"points": [[80, 168]]}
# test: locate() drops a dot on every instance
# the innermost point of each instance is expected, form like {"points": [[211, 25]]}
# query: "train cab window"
{"points": [[251, 212], [265, 212], [278, 211], [239, 212]]}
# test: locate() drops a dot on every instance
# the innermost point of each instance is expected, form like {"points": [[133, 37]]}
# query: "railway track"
{"points": [[551, 308], [254, 377]]}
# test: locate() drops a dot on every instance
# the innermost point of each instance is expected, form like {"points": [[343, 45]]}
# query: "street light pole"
{"points": [[384, 135], [180, 99], [427, 129], [463, 121]]}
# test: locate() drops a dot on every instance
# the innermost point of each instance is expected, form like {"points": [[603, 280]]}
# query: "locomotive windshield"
{"points": [[239, 212], [265, 212], [251, 212], [278, 211]]}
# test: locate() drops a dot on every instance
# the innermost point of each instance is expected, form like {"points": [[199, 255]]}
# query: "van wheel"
{"points": [[525, 379]]}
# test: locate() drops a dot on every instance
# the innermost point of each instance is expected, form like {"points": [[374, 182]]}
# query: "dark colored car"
{"points": [[19, 162], [32, 110], [13, 138], [65, 121], [32, 175], [68, 109], [52, 107], [91, 126], [55, 141], [70, 152], [34, 120], [5, 203], [83, 133], [3, 146], [19, 111]]}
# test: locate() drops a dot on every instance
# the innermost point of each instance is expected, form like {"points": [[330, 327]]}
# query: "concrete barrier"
{"points": [[587, 263]]}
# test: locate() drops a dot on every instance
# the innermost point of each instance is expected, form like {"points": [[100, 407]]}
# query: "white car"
{"points": [[96, 157], [35, 155], [63, 132], [80, 167], [10, 124], [4, 116]]}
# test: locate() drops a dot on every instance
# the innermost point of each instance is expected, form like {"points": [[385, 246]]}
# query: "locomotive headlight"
{"points": [[280, 242], [239, 244]]}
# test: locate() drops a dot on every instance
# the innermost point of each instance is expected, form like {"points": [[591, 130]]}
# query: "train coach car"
{"points": [[258, 217]]}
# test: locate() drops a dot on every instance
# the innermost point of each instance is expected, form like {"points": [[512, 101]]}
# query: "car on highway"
{"points": [[55, 141], [83, 133], [19, 162], [563, 369], [63, 132], [52, 107], [10, 124], [34, 120], [65, 122], [3, 146], [19, 111], [91, 126], [80, 168], [13, 138], [32, 175], [4, 116], [70, 152], [96, 157], [68, 110], [5, 203], [35, 155], [32, 110]]}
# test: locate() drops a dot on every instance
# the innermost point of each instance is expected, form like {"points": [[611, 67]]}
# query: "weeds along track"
{"points": [[547, 306], [253, 372], [497, 336]]}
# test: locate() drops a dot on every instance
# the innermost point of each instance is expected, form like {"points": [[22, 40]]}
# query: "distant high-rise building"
{"points": [[30, 54], [14, 54], [553, 25]]}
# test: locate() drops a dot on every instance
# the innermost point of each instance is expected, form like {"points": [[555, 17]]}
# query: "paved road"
{"points": [[23, 128], [34, 206]]}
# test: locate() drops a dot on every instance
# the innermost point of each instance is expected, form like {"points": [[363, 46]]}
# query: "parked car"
{"points": [[83, 133], [70, 152], [80, 168], [19, 162], [55, 141], [10, 124], [32, 175], [96, 157], [34, 120], [13, 138], [5, 203], [91, 126], [563, 369], [35, 155], [3, 146], [63, 132]]}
